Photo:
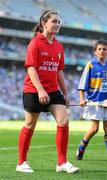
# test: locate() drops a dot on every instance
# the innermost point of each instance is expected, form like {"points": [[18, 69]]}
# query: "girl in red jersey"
{"points": [[45, 90]]}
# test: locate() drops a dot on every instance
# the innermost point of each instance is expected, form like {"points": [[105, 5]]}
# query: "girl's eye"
{"points": [[56, 21]]}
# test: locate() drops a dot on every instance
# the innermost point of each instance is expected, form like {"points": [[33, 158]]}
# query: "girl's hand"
{"points": [[43, 97]]}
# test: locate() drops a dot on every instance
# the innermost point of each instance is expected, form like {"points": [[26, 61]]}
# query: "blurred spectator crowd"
{"points": [[17, 47], [12, 46], [11, 83]]}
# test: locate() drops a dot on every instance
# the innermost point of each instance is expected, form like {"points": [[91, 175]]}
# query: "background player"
{"points": [[94, 82]]}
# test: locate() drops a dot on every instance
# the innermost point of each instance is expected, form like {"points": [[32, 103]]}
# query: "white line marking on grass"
{"points": [[31, 147], [45, 146]]}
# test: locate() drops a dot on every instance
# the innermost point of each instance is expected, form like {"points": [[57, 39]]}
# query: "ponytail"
{"points": [[37, 28]]}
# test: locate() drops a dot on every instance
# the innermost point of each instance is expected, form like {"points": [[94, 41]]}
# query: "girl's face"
{"points": [[101, 51], [52, 26]]}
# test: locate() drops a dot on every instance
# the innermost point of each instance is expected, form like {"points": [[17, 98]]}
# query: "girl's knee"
{"points": [[30, 125], [63, 122]]}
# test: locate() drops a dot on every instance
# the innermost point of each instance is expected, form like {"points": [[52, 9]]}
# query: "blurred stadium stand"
{"points": [[83, 22]]}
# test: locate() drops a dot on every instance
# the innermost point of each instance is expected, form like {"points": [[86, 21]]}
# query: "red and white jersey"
{"points": [[47, 59]]}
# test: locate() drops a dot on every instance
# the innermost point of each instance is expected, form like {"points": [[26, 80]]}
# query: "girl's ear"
{"points": [[43, 23]]}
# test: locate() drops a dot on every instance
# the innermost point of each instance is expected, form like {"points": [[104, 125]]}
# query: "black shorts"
{"points": [[31, 101]]}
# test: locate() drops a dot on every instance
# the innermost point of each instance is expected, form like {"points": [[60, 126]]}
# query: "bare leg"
{"points": [[84, 142], [31, 120]]}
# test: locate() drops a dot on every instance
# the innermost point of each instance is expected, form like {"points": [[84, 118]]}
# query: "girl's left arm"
{"points": [[62, 86]]}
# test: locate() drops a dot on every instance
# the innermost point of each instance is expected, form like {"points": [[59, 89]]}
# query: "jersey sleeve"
{"points": [[85, 78], [61, 63], [32, 55]]}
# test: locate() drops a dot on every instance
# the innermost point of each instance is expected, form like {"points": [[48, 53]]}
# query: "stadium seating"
{"points": [[81, 14]]}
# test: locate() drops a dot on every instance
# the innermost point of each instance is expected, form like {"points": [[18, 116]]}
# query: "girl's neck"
{"points": [[49, 37]]}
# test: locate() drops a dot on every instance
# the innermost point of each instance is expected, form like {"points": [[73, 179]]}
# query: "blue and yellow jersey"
{"points": [[94, 80]]}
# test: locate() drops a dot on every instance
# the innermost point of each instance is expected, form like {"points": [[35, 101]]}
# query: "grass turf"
{"points": [[42, 154]]}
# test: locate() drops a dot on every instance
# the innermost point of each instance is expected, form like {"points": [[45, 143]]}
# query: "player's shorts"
{"points": [[31, 101], [95, 113]]}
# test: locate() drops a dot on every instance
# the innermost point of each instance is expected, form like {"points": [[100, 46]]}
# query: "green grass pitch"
{"points": [[42, 154]]}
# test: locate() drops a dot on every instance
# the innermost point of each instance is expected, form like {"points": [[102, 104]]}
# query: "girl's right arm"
{"points": [[42, 94]]}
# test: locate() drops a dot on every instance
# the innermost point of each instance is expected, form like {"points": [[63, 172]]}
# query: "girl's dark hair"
{"points": [[43, 18], [99, 42]]}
